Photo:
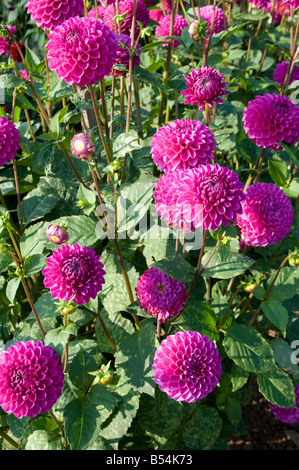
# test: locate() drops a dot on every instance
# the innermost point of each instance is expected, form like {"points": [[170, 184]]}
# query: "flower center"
{"points": [[160, 287], [205, 87], [76, 268], [72, 35], [212, 188], [19, 378], [194, 369]]}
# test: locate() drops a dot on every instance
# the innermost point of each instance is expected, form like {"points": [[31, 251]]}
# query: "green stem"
{"points": [[97, 115], [8, 439], [111, 342]]}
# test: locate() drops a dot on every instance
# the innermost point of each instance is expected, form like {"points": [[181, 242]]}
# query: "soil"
{"points": [[265, 432]]}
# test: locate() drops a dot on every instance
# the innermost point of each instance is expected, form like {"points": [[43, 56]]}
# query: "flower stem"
{"points": [[8, 439], [97, 115], [111, 342]]}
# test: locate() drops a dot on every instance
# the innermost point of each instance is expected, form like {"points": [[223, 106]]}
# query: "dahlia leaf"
{"points": [[225, 263], [176, 267], [203, 428], [284, 356], [33, 62], [286, 285], [198, 316], [277, 387], [248, 349], [277, 314], [12, 287], [279, 172], [80, 367]]}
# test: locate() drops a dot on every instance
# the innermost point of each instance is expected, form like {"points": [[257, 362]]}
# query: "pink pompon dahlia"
{"points": [[125, 7], [163, 29], [9, 140], [281, 70], [48, 14], [97, 12], [31, 379], [82, 50], [270, 119], [293, 3], [287, 415], [260, 4], [182, 144], [187, 366], [160, 295], [74, 273], [204, 86], [207, 13], [123, 55], [266, 217], [4, 46], [156, 14], [82, 145]]}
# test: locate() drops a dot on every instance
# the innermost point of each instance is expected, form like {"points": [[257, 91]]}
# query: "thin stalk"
{"points": [[8, 439], [227, 309], [111, 342], [292, 60], [129, 104], [60, 426], [104, 106], [97, 115], [14, 164]]}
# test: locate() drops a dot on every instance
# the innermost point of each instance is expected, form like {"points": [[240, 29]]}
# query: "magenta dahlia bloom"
{"points": [[293, 3], [281, 70], [163, 29], [94, 12], [260, 4], [205, 86], [160, 295], [187, 366], [82, 145], [74, 273], [126, 8], [206, 14], [287, 415], [182, 144], [266, 217], [31, 379], [156, 14], [9, 140], [82, 51], [270, 119], [123, 55], [4, 46], [48, 14]]}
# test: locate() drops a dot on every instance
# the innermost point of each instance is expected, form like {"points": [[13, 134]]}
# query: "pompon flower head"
{"points": [[266, 217], [260, 4], [123, 55], [31, 379], [9, 140], [82, 50], [126, 9], [156, 14], [204, 86], [182, 144], [163, 29], [97, 12], [74, 273], [4, 46], [281, 70], [187, 366], [48, 14], [82, 145], [160, 295], [287, 415], [270, 119], [293, 3], [206, 14]]}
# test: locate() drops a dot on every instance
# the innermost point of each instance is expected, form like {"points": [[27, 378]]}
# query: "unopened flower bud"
{"points": [[250, 287], [197, 30], [82, 146], [57, 234]]}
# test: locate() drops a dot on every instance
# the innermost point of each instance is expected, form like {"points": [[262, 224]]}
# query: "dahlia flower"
{"points": [[204, 86], [287, 415], [9, 140], [74, 273], [187, 366], [57, 234], [15, 52], [260, 4], [270, 119], [126, 8], [97, 12], [163, 29], [31, 379], [206, 14], [156, 14], [281, 70], [81, 50], [123, 55], [48, 14], [4, 46], [82, 145], [160, 295], [293, 3], [266, 217], [182, 144]]}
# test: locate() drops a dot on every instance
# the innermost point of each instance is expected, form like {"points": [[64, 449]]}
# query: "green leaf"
{"points": [[176, 267], [134, 358], [225, 263], [286, 285], [82, 363], [5, 260], [291, 151], [8, 81], [239, 377], [56, 120], [37, 203], [82, 423], [203, 428], [283, 355], [277, 387], [279, 172], [12, 287], [248, 349], [57, 338], [198, 316], [88, 197], [150, 78], [33, 62], [34, 264], [219, 37], [276, 314]]}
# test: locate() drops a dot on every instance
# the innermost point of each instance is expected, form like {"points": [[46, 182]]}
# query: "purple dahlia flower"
{"points": [[287, 415], [82, 50], [31, 379], [204, 86], [156, 14], [4, 46], [270, 119], [160, 295], [182, 144], [82, 145], [281, 70], [293, 3], [126, 8], [48, 14], [260, 4], [74, 273], [9, 140], [95, 11], [163, 29], [206, 14], [123, 55], [187, 366], [266, 217]]}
